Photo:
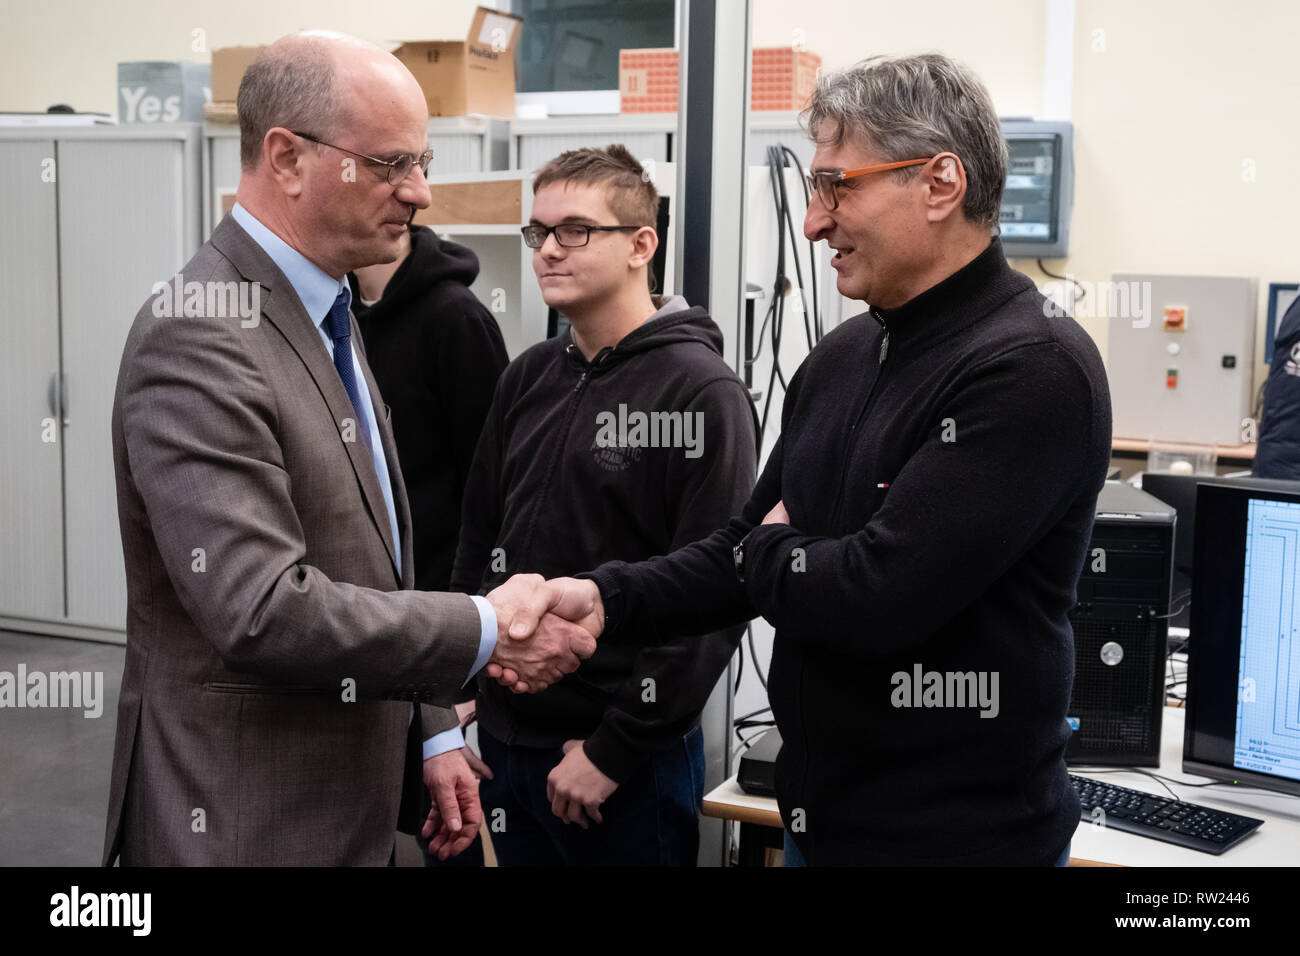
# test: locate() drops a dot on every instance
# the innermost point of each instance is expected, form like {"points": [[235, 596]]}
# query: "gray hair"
{"points": [[290, 85], [912, 107]]}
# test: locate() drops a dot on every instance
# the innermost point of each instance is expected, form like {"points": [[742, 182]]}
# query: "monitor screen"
{"points": [[1243, 693]]}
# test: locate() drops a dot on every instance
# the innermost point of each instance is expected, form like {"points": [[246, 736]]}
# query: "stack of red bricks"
{"points": [[782, 78]]}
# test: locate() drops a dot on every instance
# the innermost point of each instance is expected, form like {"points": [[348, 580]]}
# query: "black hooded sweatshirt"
{"points": [[940, 464], [566, 477], [436, 353]]}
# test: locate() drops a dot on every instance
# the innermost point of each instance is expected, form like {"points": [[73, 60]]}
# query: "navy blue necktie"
{"points": [[340, 329]]}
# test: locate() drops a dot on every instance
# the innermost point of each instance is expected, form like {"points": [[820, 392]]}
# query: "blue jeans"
{"points": [[652, 819], [790, 853], [794, 858]]}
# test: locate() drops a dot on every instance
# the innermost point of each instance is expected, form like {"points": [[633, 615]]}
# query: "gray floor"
{"points": [[54, 763]]}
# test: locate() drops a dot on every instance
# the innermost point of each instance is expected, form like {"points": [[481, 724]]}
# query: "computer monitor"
{"points": [[1243, 688], [1036, 203], [1179, 492]]}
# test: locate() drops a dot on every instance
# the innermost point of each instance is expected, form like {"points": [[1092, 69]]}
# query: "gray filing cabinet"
{"points": [[461, 144], [647, 135], [93, 217]]}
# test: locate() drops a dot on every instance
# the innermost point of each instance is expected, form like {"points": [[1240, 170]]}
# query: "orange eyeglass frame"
{"points": [[843, 174]]}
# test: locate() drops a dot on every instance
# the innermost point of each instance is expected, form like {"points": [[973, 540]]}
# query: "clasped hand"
{"points": [[545, 629]]}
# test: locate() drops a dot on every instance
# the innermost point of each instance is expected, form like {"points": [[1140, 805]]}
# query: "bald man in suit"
{"points": [[275, 648]]}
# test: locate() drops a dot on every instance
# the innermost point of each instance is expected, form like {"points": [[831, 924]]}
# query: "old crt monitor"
{"points": [[1039, 194], [1243, 686]]}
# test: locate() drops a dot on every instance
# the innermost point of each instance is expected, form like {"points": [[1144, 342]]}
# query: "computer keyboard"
{"points": [[1161, 818]]}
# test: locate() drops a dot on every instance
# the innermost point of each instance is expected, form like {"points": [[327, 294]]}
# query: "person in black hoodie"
{"points": [[624, 437], [436, 353], [1278, 452], [917, 535]]}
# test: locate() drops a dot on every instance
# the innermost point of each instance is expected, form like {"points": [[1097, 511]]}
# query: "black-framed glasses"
{"points": [[571, 235], [823, 182], [398, 169]]}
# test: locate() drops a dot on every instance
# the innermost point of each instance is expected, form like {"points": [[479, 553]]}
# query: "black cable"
{"points": [[776, 308], [740, 669], [786, 221], [775, 314], [1132, 770], [747, 742], [1181, 783], [1083, 292], [762, 679], [819, 329], [1178, 610]]}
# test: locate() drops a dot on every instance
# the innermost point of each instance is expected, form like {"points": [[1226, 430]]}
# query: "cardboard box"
{"points": [[152, 91], [491, 202], [228, 66], [475, 75], [781, 78], [647, 81]]}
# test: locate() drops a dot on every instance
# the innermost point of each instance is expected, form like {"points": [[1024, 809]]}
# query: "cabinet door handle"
{"points": [[58, 397]]}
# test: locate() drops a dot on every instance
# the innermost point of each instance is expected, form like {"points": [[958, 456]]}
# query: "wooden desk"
{"points": [[1143, 446], [1276, 843], [728, 802], [761, 828]]}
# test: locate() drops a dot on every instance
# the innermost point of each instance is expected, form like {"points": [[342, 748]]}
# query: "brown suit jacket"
{"points": [[261, 588]]}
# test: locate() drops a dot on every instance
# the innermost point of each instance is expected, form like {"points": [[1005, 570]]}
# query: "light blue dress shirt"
{"points": [[317, 292]]}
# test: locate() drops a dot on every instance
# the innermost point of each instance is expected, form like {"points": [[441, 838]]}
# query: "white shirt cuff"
{"points": [[487, 617], [440, 743]]}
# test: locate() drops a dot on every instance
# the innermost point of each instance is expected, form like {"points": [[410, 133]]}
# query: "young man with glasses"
{"points": [[624, 437]]}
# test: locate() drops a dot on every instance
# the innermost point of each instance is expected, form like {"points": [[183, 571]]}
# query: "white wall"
{"points": [[1176, 103], [1001, 40], [67, 51]]}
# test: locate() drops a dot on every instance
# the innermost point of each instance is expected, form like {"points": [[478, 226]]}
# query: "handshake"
{"points": [[545, 629]]}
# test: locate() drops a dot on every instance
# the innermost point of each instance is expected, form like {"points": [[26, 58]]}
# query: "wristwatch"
{"points": [[738, 555]]}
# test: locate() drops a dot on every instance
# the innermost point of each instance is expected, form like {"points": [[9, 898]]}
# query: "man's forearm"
{"points": [[692, 591]]}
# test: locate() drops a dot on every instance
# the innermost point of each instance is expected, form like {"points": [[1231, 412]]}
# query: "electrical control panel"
{"points": [[1180, 357]]}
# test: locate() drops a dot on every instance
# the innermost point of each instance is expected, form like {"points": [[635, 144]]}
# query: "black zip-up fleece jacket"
{"points": [[559, 485], [436, 353], [940, 463]]}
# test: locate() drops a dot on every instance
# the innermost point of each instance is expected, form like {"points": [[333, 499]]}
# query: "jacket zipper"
{"points": [[575, 399], [862, 411]]}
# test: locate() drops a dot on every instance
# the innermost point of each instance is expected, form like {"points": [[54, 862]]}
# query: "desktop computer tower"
{"points": [[1120, 629]]}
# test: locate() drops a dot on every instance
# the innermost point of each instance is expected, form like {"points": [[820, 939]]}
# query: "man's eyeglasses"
{"points": [[571, 235], [398, 169], [823, 182]]}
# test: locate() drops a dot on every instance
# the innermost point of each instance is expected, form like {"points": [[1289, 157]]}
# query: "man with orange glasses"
{"points": [[919, 529]]}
